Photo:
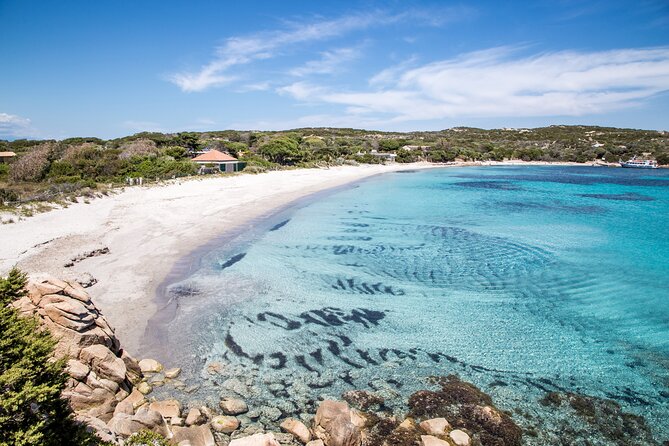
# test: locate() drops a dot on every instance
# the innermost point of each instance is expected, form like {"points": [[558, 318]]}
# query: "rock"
{"points": [[318, 442], [71, 314], [167, 408], [172, 373], [231, 406], [408, 424], [193, 436], [256, 440], [297, 429], [144, 387], [436, 426], [362, 399], [225, 424], [150, 366], [429, 440], [132, 366], [105, 363], [338, 425], [195, 417], [460, 438], [126, 425], [177, 421], [77, 370]]}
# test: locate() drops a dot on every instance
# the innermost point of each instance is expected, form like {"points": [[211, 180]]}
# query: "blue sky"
{"points": [[112, 68]]}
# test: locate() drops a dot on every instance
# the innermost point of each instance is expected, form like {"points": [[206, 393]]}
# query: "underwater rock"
{"points": [[466, 407], [361, 399], [225, 424], [232, 406]]}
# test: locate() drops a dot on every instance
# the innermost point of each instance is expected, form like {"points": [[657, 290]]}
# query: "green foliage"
{"points": [[162, 167], [190, 140], [4, 170], [235, 148], [146, 438], [8, 196], [283, 150], [176, 152], [31, 409]]}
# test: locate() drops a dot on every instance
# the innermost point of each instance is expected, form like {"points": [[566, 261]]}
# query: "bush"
{"points": [[8, 196], [33, 165], [31, 409], [146, 438], [138, 147], [4, 170]]}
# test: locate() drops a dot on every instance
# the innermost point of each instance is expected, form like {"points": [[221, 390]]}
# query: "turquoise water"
{"points": [[522, 280]]}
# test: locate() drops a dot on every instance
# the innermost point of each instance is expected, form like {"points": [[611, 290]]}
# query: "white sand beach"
{"points": [[148, 229]]}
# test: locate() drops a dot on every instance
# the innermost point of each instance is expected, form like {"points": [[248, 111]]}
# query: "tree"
{"points": [[282, 150], [31, 409], [190, 140]]}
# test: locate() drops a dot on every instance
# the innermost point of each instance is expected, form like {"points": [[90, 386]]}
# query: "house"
{"points": [[385, 156], [6, 156], [222, 161]]}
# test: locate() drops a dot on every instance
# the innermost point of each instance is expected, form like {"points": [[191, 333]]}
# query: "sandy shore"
{"points": [[148, 229]]}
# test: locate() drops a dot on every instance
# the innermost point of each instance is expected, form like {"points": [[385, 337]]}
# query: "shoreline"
{"points": [[146, 232], [133, 241]]}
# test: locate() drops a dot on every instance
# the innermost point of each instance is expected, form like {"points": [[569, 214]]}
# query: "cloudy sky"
{"points": [[114, 68]]}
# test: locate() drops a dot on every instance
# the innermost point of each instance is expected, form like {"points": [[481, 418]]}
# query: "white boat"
{"points": [[639, 164]]}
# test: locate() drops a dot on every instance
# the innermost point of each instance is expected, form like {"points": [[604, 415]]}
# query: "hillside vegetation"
{"points": [[47, 170]]}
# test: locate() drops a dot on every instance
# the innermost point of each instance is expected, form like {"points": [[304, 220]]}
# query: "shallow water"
{"points": [[522, 280]]}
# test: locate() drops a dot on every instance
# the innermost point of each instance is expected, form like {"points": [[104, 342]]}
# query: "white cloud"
{"points": [[494, 83], [329, 62], [264, 45], [13, 126]]}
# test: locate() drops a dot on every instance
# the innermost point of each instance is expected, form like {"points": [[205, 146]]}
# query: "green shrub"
{"points": [[4, 170], [146, 438], [8, 196], [31, 409]]}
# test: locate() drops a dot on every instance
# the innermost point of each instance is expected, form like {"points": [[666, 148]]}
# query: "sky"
{"points": [[114, 68]]}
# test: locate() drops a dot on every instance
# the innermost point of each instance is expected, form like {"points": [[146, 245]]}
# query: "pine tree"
{"points": [[32, 411]]}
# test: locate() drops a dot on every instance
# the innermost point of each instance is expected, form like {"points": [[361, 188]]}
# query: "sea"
{"points": [[523, 280]]}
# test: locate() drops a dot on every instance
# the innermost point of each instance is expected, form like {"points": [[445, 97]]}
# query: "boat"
{"points": [[639, 164]]}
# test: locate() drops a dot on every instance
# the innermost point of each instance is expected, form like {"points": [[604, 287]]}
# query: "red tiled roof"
{"points": [[214, 156], [4, 154]]}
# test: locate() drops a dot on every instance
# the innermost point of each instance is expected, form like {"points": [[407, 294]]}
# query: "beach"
{"points": [[130, 240]]}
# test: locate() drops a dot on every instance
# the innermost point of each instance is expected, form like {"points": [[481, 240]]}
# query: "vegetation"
{"points": [[31, 409], [53, 169]]}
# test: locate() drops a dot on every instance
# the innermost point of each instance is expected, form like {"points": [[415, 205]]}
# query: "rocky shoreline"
{"points": [[111, 392]]}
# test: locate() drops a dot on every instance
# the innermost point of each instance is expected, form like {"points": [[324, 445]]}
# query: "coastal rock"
{"points": [[338, 425], [167, 408], [429, 440], [100, 389], [435, 426], [77, 370], [195, 417], [256, 440], [231, 406], [193, 436], [145, 419], [144, 387], [460, 438], [104, 362], [150, 366], [297, 429], [225, 424], [172, 373], [318, 442]]}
